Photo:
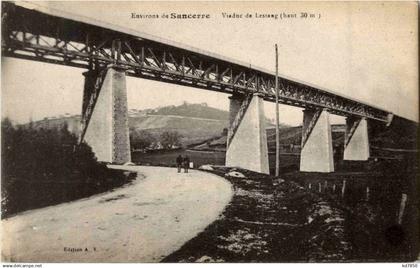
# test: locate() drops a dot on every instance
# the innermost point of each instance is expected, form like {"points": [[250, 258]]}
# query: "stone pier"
{"points": [[356, 144], [317, 148], [107, 130], [248, 147]]}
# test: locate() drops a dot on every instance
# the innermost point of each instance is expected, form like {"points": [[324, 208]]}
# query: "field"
{"points": [[287, 220], [167, 158], [348, 215]]}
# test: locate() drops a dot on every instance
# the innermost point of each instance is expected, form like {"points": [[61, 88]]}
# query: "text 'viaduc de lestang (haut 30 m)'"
{"points": [[227, 15]]}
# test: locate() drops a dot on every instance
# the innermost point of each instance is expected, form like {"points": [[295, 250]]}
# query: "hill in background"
{"points": [[195, 122], [202, 128], [72, 122], [287, 136], [195, 110]]}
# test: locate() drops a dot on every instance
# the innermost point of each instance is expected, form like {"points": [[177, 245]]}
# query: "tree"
{"points": [[41, 167], [141, 139], [170, 139]]}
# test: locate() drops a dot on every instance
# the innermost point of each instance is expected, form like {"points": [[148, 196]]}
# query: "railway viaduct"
{"points": [[109, 53]]}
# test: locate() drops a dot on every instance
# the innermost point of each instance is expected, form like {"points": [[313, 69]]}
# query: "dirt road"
{"points": [[141, 222]]}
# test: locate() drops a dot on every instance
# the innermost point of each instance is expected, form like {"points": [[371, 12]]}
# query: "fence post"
{"points": [[404, 198], [343, 190], [367, 193]]}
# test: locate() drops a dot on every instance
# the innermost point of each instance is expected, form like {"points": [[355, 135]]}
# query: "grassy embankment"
{"points": [[275, 220]]}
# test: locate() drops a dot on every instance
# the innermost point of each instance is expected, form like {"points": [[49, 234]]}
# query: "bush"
{"points": [[142, 139], [42, 167]]}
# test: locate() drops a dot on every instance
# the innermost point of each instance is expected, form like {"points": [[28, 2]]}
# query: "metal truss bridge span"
{"points": [[32, 32]]}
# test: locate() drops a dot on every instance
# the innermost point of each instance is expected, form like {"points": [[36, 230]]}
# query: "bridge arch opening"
{"points": [[197, 115]]}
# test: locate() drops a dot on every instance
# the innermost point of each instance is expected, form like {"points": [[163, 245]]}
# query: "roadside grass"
{"points": [[269, 220]]}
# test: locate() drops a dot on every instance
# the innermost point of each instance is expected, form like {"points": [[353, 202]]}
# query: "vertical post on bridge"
{"points": [[317, 149], [356, 144], [105, 115], [277, 116], [247, 138]]}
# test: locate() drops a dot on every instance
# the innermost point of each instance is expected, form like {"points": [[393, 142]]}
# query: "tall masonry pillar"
{"points": [[247, 147], [356, 144], [317, 148], [107, 130]]}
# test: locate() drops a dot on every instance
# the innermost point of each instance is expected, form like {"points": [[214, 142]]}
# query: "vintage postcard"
{"points": [[143, 132]]}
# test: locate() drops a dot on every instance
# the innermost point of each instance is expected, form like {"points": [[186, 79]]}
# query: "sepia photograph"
{"points": [[209, 132]]}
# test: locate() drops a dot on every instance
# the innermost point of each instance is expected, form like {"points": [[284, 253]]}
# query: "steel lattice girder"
{"points": [[33, 35]]}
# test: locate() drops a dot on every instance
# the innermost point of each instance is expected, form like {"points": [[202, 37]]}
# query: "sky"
{"points": [[367, 51]]}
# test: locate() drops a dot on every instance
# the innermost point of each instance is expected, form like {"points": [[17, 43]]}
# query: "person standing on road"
{"points": [[179, 160], [186, 163]]}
